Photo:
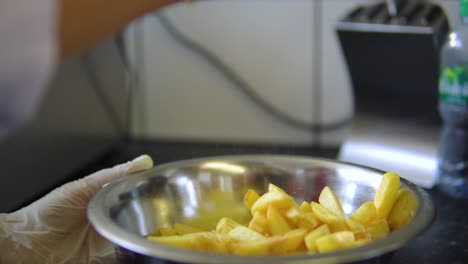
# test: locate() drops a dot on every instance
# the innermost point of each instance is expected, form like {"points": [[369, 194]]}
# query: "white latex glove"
{"points": [[55, 229]]}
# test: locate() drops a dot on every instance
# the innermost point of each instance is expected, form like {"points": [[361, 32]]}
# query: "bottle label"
{"points": [[453, 85]]}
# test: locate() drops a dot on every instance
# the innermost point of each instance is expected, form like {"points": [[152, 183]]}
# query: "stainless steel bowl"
{"points": [[125, 211]]}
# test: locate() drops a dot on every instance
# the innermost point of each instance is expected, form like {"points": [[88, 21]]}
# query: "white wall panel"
{"points": [[269, 43], [276, 46]]}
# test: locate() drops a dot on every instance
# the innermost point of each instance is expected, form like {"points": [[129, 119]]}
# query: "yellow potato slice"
{"points": [[386, 194], [359, 230], [182, 229], [327, 243], [185, 242], [225, 225], [252, 248], [277, 224], [365, 213], [201, 241], [335, 241], [312, 237], [259, 223], [403, 210], [344, 238], [289, 242], [300, 250], [379, 230], [338, 226], [323, 214], [274, 188], [243, 233], [330, 201], [293, 214], [307, 221], [305, 207], [250, 197], [280, 200]]}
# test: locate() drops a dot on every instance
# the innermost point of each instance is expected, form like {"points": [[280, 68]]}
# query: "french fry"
{"points": [[359, 230], [323, 214], [250, 197], [305, 207], [243, 233], [314, 235], [330, 201], [293, 214], [403, 210], [307, 221], [327, 243], [252, 248], [301, 220], [201, 241], [335, 241], [225, 225], [338, 226], [277, 224], [386, 194], [344, 238], [259, 223], [274, 188], [280, 200], [379, 230], [185, 242], [288, 242], [365, 213], [301, 249]]}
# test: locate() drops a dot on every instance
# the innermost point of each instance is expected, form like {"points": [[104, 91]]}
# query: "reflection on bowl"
{"points": [[125, 211]]}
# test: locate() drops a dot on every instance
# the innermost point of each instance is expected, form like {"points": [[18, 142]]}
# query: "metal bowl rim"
{"points": [[130, 241]]}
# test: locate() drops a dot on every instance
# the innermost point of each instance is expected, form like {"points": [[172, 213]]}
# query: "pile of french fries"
{"points": [[279, 226]]}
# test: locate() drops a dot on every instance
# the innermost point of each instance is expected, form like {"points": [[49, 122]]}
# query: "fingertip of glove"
{"points": [[141, 163]]}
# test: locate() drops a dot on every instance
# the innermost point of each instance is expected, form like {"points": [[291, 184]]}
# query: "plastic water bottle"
{"points": [[453, 108]]}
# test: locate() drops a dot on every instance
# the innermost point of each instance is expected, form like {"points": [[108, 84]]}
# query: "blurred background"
{"points": [[327, 78]]}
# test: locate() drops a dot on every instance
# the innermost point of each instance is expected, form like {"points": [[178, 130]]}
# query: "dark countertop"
{"points": [[446, 241]]}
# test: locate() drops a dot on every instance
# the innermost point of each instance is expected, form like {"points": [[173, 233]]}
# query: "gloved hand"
{"points": [[55, 229]]}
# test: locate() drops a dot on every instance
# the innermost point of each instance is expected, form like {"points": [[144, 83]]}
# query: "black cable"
{"points": [[317, 98], [130, 81], [90, 72], [241, 84]]}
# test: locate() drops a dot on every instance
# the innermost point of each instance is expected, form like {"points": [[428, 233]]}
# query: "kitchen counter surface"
{"points": [[446, 241]]}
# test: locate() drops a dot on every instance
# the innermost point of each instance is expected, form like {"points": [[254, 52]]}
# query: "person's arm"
{"points": [[83, 23]]}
